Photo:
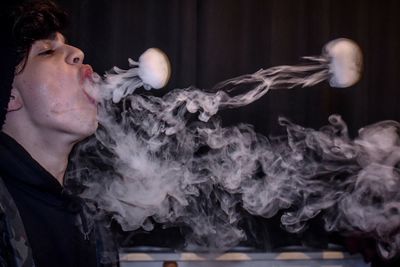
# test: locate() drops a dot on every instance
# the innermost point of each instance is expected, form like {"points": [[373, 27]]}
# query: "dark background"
{"points": [[209, 41]]}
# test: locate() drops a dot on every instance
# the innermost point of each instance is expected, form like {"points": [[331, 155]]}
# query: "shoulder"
{"points": [[14, 246]]}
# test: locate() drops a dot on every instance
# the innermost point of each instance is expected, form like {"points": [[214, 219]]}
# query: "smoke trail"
{"points": [[169, 160], [167, 166]]}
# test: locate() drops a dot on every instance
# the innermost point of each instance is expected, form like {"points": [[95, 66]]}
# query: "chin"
{"points": [[86, 130], [91, 128]]}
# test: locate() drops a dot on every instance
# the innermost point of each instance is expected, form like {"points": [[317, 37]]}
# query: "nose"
{"points": [[75, 56]]}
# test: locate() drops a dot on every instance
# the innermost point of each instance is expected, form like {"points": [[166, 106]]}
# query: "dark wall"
{"points": [[211, 40]]}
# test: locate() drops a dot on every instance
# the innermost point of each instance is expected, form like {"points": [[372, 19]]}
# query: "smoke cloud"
{"points": [[169, 160]]}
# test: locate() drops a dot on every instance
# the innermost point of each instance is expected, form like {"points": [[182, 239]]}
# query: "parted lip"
{"points": [[86, 74]]}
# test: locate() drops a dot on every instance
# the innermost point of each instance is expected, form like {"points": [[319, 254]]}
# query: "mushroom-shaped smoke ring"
{"points": [[154, 68], [345, 62], [151, 71]]}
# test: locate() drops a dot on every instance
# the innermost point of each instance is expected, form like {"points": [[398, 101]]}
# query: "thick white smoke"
{"points": [[169, 160]]}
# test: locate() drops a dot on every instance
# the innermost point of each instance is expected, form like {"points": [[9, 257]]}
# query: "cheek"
{"points": [[58, 107], [43, 98], [52, 94]]}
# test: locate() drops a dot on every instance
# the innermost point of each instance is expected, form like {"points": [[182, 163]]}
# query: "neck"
{"points": [[51, 152]]}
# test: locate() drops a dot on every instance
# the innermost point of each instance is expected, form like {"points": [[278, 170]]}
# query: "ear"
{"points": [[15, 102]]}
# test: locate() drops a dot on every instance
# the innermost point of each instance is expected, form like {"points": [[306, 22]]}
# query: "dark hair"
{"points": [[21, 24], [35, 20]]}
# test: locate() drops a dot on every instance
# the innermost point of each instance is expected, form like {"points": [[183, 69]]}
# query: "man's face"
{"points": [[52, 89]]}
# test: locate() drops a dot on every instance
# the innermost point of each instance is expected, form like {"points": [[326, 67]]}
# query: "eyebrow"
{"points": [[53, 37]]}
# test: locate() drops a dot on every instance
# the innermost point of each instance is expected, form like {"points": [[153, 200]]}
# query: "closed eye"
{"points": [[46, 52]]}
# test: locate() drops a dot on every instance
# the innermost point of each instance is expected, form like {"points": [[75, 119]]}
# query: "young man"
{"points": [[44, 112]]}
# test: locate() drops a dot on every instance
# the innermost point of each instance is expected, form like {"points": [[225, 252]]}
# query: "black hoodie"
{"points": [[52, 218]]}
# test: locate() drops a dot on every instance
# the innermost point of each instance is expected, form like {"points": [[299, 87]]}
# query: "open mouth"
{"points": [[87, 81], [86, 74]]}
